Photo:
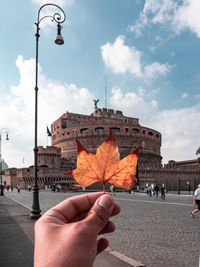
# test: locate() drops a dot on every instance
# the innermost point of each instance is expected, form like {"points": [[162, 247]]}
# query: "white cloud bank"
{"points": [[121, 58], [54, 99], [179, 128], [176, 16]]}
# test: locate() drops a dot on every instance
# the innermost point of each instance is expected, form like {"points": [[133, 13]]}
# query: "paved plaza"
{"points": [[154, 232]]}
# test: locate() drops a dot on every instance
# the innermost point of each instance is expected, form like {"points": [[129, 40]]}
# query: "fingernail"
{"points": [[107, 202]]}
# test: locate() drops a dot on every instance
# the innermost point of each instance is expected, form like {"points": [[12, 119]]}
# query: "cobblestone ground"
{"points": [[155, 232]]}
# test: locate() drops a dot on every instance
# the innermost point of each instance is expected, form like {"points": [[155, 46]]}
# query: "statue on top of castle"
{"points": [[95, 103]]}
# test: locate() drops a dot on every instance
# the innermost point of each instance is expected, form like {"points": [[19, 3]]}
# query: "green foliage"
{"points": [[198, 151]]}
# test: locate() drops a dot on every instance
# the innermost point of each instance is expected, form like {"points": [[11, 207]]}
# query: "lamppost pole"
{"points": [[58, 17], [1, 132]]}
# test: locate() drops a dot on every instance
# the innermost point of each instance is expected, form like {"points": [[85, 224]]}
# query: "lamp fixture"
{"points": [[59, 39]]}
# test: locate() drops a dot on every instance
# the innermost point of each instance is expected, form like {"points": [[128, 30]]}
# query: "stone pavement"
{"points": [[17, 238], [156, 233], [16, 235]]}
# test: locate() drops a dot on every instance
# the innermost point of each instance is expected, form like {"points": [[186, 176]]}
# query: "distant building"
{"points": [[51, 168], [91, 131]]}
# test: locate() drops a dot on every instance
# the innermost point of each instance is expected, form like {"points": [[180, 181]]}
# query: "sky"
{"points": [[148, 50]]}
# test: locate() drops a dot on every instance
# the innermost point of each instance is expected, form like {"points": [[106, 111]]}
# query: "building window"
{"points": [[84, 130], [143, 131], [99, 129], [64, 125], [150, 133], [126, 129], [135, 130], [115, 130]]}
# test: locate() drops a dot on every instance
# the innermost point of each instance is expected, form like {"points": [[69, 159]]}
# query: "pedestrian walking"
{"points": [[196, 201], [156, 189], [58, 187], [150, 191], [18, 188], [162, 193], [53, 188], [112, 190]]}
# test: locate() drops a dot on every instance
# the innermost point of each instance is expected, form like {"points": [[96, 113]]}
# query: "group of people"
{"points": [[8, 187], [153, 191], [56, 188]]}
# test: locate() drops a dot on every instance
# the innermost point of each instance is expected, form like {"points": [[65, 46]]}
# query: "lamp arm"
{"points": [[57, 17]]}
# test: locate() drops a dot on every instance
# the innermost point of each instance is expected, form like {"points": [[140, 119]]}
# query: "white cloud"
{"points": [[132, 105], [175, 16], [179, 129], [155, 12], [162, 10], [154, 103], [121, 58], [187, 17], [180, 132], [54, 98], [184, 95], [150, 71]]}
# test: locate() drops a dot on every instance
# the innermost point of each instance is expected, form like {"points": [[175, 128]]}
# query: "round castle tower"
{"points": [[92, 130]]}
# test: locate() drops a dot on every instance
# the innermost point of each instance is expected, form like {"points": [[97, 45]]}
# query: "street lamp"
{"points": [[6, 131], [58, 17]]}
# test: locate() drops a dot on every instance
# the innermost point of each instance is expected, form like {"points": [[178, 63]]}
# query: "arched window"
{"points": [[99, 129], [115, 129], [135, 130], [84, 130]]}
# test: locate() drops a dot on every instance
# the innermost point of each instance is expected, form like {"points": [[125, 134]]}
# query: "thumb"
{"points": [[100, 213]]}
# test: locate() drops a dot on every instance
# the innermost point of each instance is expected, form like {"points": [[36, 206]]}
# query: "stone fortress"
{"points": [[91, 131]]}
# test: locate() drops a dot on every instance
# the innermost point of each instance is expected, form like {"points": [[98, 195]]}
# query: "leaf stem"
{"points": [[104, 188]]}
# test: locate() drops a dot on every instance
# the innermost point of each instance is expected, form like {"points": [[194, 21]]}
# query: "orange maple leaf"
{"points": [[105, 166]]}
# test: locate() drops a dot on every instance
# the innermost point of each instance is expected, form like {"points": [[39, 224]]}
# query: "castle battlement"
{"points": [[49, 150]]}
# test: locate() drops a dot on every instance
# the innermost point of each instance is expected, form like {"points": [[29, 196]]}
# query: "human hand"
{"points": [[66, 235]]}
